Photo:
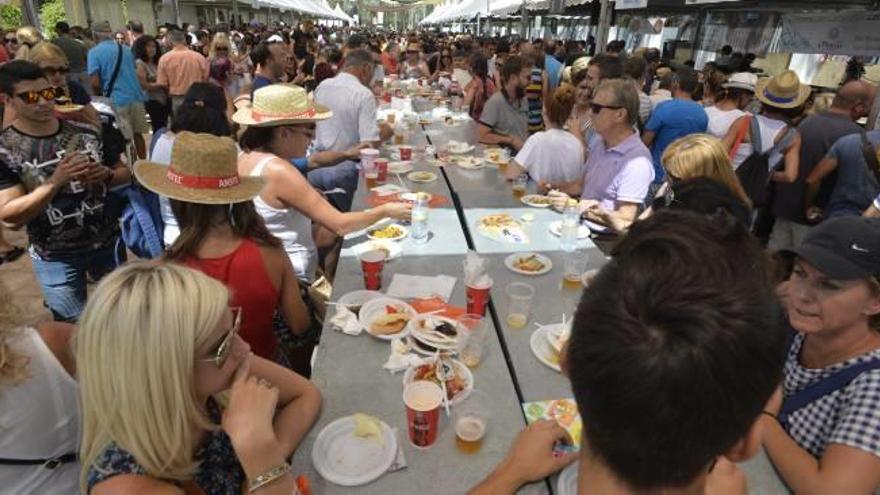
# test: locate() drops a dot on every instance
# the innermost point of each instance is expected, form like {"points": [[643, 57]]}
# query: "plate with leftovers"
{"points": [[354, 450], [434, 333], [502, 227], [386, 318], [422, 176], [536, 201], [528, 263], [355, 299], [391, 249], [458, 388], [392, 232]]}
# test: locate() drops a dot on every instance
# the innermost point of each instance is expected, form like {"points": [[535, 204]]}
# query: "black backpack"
{"points": [[754, 173]]}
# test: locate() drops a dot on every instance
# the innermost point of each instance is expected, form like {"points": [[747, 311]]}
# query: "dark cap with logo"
{"points": [[843, 248]]}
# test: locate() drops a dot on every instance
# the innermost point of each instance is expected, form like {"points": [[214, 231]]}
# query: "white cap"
{"points": [[742, 80]]}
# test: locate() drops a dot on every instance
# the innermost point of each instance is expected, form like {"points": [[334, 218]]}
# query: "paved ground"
{"points": [[19, 278]]}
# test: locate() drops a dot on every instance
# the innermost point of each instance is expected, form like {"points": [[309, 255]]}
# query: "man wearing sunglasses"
{"points": [[52, 181]]}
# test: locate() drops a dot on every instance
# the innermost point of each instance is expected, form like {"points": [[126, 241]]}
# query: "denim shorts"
{"points": [[62, 277]]}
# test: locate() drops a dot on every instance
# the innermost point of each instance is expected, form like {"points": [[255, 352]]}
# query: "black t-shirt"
{"points": [[78, 94], [818, 132], [76, 220]]}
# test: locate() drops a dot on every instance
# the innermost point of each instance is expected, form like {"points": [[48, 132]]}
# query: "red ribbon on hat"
{"points": [[201, 181], [260, 116]]}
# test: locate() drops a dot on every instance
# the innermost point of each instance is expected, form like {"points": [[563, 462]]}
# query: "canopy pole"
{"points": [[604, 26]]}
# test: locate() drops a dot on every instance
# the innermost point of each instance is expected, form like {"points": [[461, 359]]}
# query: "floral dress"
{"points": [[219, 471]]}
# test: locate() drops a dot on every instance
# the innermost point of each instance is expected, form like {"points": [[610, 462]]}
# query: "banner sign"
{"points": [[630, 4], [696, 2], [832, 33]]}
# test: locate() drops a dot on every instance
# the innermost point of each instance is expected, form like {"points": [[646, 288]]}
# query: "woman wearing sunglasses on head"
{"points": [[157, 346], [71, 95]]}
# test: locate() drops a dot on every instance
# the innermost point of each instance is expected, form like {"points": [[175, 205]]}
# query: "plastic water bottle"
{"points": [[419, 222], [570, 223]]}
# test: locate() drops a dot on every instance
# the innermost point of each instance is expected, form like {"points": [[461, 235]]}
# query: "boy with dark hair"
{"points": [[674, 353], [53, 182]]}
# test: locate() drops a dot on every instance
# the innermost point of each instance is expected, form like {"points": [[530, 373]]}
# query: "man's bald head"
{"points": [[855, 96]]}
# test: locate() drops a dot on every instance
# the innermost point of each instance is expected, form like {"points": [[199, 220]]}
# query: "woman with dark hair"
{"points": [[204, 111], [480, 88], [146, 54]]}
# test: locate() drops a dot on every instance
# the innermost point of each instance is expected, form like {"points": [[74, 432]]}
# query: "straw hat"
{"points": [[782, 91], [280, 104], [742, 80], [203, 169]]}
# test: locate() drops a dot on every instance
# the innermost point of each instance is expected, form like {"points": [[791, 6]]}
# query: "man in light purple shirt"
{"points": [[619, 170]]}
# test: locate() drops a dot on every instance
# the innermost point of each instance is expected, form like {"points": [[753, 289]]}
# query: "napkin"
{"points": [[417, 286], [461, 76], [401, 358], [475, 270], [388, 190], [346, 321]]}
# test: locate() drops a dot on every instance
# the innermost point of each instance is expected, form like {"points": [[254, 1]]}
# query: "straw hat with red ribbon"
{"points": [[203, 169], [280, 104], [782, 91]]}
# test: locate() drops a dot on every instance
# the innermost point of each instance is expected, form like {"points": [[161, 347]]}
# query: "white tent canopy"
{"points": [[317, 8], [345, 17]]}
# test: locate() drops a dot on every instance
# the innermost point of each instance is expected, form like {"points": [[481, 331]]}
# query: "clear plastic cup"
{"points": [[519, 304], [475, 330]]}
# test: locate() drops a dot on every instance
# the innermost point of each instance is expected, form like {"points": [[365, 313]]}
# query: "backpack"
{"points": [[140, 221], [754, 173]]}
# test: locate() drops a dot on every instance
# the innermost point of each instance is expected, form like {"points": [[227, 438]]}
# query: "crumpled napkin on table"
{"points": [[401, 358], [346, 321]]}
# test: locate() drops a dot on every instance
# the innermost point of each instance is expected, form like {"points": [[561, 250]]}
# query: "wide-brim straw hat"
{"points": [[203, 170], [782, 91], [280, 104]]}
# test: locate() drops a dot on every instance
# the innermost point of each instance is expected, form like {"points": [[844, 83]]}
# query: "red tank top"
{"points": [[244, 273]]}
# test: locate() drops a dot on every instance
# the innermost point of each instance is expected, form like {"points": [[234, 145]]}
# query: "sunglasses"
{"points": [[221, 49], [11, 40], [225, 348], [51, 71], [598, 107], [31, 97]]}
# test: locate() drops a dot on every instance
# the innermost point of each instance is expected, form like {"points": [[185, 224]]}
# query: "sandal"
{"points": [[12, 255]]}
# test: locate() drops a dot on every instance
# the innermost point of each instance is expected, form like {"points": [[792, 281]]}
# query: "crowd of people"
{"points": [[740, 309]]}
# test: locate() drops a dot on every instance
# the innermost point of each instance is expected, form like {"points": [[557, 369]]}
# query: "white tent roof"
{"points": [[340, 12]]}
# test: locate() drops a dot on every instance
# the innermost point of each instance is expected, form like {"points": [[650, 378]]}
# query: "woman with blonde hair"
{"points": [[157, 344], [38, 404], [697, 156], [55, 65], [28, 37], [221, 66]]}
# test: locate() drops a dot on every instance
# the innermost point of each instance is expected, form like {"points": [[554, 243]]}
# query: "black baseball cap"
{"points": [[843, 248]]}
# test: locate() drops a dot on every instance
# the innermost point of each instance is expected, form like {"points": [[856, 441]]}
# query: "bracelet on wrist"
{"points": [[768, 413], [268, 477]]}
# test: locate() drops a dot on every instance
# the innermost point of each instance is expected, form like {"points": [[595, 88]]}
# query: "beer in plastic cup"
{"points": [[422, 400], [475, 332], [519, 303], [372, 263]]}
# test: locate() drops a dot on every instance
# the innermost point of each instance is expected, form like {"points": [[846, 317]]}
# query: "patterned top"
{"points": [[76, 219], [849, 416], [219, 472], [535, 95]]}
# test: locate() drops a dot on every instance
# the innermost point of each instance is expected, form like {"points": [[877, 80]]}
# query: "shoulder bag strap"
{"points": [[823, 387], [115, 75], [50, 463], [740, 135], [870, 155]]}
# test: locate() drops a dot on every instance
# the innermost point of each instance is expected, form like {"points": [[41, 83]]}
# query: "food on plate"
{"points": [[493, 155], [392, 321], [422, 176], [558, 338], [498, 221], [537, 199], [454, 385], [529, 263], [389, 232], [366, 426], [563, 411]]}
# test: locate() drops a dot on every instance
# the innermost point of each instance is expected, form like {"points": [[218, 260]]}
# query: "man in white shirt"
{"points": [[353, 122]]}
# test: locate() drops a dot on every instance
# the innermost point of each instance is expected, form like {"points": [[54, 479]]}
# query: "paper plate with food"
{"points": [[432, 333], [391, 249], [458, 387], [355, 299], [547, 343], [400, 167], [354, 450], [422, 176], [528, 263], [412, 197], [502, 227], [536, 201], [459, 148], [391, 232], [496, 156], [468, 162], [386, 318], [555, 228]]}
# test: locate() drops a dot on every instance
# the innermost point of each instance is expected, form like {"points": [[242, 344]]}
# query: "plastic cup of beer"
{"points": [[519, 304], [391, 118], [399, 138], [575, 266], [471, 423], [475, 332], [519, 185], [422, 399]]}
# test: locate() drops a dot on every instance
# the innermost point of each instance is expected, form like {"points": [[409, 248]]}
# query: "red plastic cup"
{"points": [[477, 299], [406, 153], [381, 167], [422, 400], [372, 263]]}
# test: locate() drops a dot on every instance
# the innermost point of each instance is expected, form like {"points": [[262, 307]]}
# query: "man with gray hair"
{"points": [[353, 104], [180, 68], [113, 74]]}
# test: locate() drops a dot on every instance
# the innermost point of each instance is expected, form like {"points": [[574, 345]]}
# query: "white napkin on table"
{"points": [[388, 189], [346, 321], [401, 358], [420, 287]]}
